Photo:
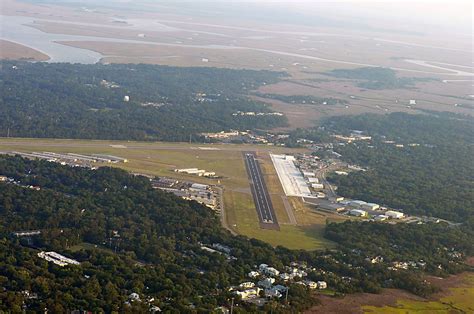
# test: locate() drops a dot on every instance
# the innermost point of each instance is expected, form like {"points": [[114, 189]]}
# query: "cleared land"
{"points": [[226, 160]]}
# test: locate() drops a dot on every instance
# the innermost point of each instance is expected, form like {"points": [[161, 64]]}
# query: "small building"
{"points": [[248, 293], [394, 214], [358, 213], [308, 174], [253, 274], [266, 283], [330, 206], [3, 179], [247, 284], [285, 277], [322, 284], [134, 296], [198, 186], [341, 173], [186, 170], [412, 102], [126, 98], [262, 267], [317, 186], [313, 180], [20, 234], [222, 248], [336, 199], [311, 284], [370, 206], [357, 203], [271, 271], [280, 288], [57, 258], [272, 293], [380, 217]]}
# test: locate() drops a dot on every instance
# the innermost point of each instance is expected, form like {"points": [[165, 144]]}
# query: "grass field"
{"points": [[226, 160], [456, 300]]}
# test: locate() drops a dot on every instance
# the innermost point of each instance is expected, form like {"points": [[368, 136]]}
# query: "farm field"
{"points": [[161, 159]]}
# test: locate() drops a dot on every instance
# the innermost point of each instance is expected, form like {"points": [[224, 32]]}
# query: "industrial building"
{"points": [[111, 158], [57, 258], [356, 204], [394, 214], [370, 206], [291, 178], [26, 233], [331, 206], [199, 186], [197, 172], [358, 213]]}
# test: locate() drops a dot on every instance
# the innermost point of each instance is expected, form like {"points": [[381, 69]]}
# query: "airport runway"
{"points": [[261, 198]]}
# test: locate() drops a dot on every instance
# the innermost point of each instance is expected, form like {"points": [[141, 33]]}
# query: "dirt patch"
{"points": [[13, 51]]}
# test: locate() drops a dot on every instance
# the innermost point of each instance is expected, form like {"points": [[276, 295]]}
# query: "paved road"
{"points": [[261, 198]]}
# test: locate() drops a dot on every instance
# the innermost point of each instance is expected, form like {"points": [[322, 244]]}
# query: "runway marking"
{"points": [[263, 204]]}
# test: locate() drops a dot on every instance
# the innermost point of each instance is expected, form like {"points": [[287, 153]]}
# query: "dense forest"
{"points": [[164, 103], [421, 164], [376, 78], [131, 238]]}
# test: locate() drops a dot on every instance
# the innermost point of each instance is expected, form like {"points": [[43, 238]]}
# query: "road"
{"points": [[261, 198], [321, 175], [222, 208]]}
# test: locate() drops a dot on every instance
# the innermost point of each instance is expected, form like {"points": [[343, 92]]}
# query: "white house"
{"points": [[266, 283], [271, 271], [247, 284], [248, 293], [322, 284], [272, 293], [311, 284], [262, 267], [253, 274]]}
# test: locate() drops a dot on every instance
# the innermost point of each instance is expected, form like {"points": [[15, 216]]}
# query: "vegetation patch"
{"points": [[131, 102], [376, 78], [419, 163]]}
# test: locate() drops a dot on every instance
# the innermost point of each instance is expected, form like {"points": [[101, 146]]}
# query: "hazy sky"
{"points": [[456, 14]]}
